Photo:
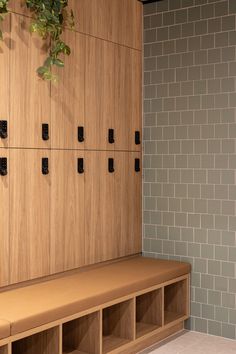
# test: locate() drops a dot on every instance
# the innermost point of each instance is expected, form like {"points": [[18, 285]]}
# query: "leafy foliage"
{"points": [[3, 10]]}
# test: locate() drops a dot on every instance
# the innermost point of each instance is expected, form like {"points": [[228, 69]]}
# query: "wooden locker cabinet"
{"points": [[67, 113], [4, 76], [4, 222], [67, 211], [128, 97], [29, 215], [29, 95]]}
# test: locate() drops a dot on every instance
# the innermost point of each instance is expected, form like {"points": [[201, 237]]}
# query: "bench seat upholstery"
{"points": [[4, 329], [32, 306]]}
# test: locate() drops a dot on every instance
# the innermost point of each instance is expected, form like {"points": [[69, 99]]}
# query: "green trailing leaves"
{"points": [[3, 11]]}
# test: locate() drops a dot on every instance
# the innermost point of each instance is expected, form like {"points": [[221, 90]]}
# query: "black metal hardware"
{"points": [[3, 166], [3, 129], [80, 134], [45, 168], [45, 131], [137, 138], [111, 138], [80, 165], [111, 168], [137, 165]]}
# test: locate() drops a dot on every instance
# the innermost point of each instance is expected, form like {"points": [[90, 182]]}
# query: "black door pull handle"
{"points": [[45, 131], [80, 165], [137, 138], [80, 134], [111, 138], [137, 165], [45, 166], [111, 168], [3, 129], [3, 166]]}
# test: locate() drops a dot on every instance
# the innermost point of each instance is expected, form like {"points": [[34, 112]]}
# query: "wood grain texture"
{"points": [[67, 212], [99, 208], [82, 335], [4, 222], [128, 106], [30, 96], [68, 95], [4, 350], [4, 74], [99, 93], [46, 342], [30, 215], [19, 7]]}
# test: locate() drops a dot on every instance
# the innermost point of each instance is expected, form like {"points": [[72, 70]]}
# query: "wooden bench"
{"points": [[122, 306]]}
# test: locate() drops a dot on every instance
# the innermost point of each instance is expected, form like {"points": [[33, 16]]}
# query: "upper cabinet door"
{"points": [[67, 210], [4, 80], [30, 96], [4, 220], [30, 214], [67, 118], [128, 99], [99, 93], [119, 21]]}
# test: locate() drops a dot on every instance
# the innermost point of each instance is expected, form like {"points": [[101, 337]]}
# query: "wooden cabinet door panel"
{"points": [[67, 212], [4, 222], [99, 93], [30, 215], [100, 242], [127, 98], [30, 96], [4, 75], [68, 95]]}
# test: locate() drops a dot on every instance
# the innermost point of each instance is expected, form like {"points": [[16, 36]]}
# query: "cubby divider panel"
{"points": [[148, 312], [46, 342], [175, 301], [82, 335], [118, 325]]}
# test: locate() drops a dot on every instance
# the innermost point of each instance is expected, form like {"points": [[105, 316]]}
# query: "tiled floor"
{"points": [[194, 343]]}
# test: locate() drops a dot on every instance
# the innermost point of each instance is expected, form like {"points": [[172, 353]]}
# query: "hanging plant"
{"points": [[3, 11], [50, 18]]}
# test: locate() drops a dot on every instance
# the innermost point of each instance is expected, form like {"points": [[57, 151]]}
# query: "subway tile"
{"points": [[173, 5], [214, 297], [156, 20], [221, 70], [201, 27], [214, 328], [194, 13], [193, 220], [228, 54], [228, 331], [162, 34], [207, 41], [150, 8], [228, 270], [207, 11], [222, 39], [228, 300], [168, 18], [150, 35], [168, 47], [228, 23], [207, 221], [156, 49], [232, 6], [200, 117], [221, 8], [174, 204], [221, 314], [187, 29], [194, 73], [221, 222], [174, 32], [187, 205], [232, 37], [214, 25], [221, 283]]}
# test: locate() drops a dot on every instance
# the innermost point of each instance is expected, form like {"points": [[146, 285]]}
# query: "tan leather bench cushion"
{"points": [[32, 306], [4, 329]]}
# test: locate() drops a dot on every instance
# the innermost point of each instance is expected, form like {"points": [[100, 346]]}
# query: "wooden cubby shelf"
{"points": [[118, 325], [46, 342], [148, 312], [82, 336], [4, 349], [175, 301]]}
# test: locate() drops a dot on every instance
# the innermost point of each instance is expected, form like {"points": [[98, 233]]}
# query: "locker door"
{"points": [[128, 204], [67, 211], [30, 96], [99, 93], [127, 98], [30, 215], [4, 221], [4, 78], [100, 243], [68, 96]]}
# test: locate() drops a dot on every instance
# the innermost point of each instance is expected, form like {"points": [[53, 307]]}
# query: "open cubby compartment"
{"points": [[82, 335], [175, 301], [4, 349], [46, 342], [148, 312], [118, 325]]}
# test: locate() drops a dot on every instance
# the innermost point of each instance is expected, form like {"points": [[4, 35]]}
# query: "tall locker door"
{"points": [[128, 203], [67, 210], [30, 214], [30, 95], [4, 80], [99, 93], [67, 118], [4, 217], [128, 106], [100, 243]]}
